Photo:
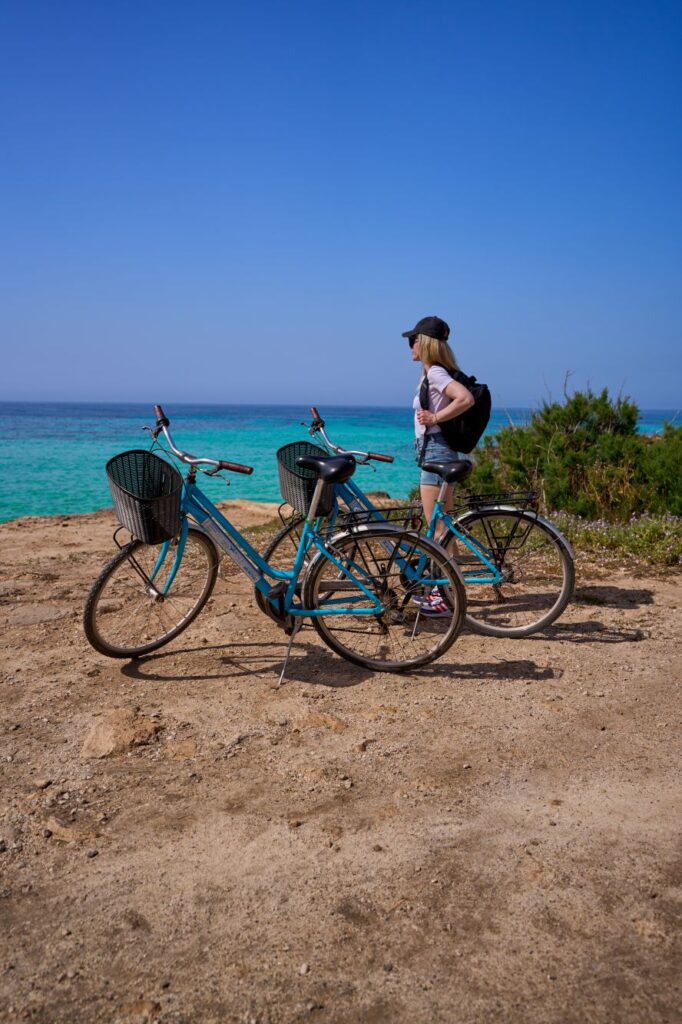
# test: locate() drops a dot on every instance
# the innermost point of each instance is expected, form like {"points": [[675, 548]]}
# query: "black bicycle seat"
{"points": [[334, 469], [451, 472]]}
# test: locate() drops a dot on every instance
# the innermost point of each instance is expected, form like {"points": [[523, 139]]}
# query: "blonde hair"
{"points": [[433, 352]]}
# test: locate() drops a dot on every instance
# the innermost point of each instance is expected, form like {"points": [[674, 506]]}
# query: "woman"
{"points": [[446, 399]]}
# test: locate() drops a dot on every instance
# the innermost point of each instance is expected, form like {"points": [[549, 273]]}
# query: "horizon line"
{"points": [[281, 405]]}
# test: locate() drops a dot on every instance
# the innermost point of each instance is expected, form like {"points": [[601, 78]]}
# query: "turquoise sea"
{"points": [[52, 456]]}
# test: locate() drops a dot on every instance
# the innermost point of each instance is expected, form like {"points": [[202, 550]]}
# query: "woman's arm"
{"points": [[462, 399]]}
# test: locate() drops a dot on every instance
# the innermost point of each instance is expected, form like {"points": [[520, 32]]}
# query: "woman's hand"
{"points": [[426, 418]]}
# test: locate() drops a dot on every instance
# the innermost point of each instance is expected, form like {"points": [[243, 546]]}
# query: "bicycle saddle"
{"points": [[451, 472], [334, 469]]}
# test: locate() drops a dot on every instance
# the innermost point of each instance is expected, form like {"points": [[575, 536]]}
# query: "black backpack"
{"points": [[464, 432]]}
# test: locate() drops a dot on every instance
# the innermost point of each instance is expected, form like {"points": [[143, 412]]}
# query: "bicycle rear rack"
{"points": [[521, 499]]}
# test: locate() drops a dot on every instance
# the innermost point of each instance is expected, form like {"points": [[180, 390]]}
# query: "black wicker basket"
{"points": [[298, 484], [146, 491]]}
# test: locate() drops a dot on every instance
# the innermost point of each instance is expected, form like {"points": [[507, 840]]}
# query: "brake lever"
{"points": [[154, 432]]}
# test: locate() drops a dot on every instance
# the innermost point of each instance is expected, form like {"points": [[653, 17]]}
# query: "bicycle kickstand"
{"points": [[297, 625]]}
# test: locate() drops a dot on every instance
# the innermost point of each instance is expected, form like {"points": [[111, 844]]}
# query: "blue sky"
{"points": [[229, 202]]}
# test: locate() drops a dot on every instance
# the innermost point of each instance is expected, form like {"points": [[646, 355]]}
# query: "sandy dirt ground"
{"points": [[493, 838]]}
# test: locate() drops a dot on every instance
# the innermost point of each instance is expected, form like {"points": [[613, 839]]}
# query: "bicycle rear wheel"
{"points": [[537, 569], [126, 617], [402, 569]]}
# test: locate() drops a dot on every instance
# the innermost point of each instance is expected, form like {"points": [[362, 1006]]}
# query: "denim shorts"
{"points": [[433, 448]]}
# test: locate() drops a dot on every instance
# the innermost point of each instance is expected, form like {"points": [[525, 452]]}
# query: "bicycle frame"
{"points": [[357, 501], [196, 505]]}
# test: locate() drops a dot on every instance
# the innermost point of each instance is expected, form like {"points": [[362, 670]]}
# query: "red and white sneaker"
{"points": [[434, 606]]}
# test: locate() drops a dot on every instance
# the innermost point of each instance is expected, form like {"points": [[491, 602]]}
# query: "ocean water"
{"points": [[52, 456]]}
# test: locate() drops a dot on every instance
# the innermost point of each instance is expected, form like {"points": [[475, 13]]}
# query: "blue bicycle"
{"points": [[517, 567], [363, 588]]}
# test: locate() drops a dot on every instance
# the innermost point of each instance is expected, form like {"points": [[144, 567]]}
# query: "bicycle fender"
{"points": [[514, 508]]}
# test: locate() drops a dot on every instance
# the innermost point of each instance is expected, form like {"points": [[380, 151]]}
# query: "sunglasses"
{"points": [[412, 341]]}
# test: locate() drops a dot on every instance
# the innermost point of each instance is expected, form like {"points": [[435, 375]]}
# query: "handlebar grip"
{"points": [[314, 413], [161, 417], [378, 457], [236, 467]]}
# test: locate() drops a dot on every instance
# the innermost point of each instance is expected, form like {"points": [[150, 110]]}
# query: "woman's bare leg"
{"points": [[429, 495]]}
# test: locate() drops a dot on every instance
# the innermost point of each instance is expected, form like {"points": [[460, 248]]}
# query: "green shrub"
{"points": [[584, 456]]}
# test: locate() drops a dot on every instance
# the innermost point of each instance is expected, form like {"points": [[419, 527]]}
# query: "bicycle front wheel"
{"points": [[537, 570], [403, 572], [125, 616]]}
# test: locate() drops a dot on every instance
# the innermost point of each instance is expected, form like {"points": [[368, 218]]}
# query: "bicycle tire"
{"points": [[402, 638], [539, 564], [119, 604]]}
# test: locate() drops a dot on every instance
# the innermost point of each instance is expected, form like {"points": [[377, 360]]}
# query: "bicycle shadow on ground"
{"points": [[308, 664], [589, 632], [501, 671], [613, 597]]}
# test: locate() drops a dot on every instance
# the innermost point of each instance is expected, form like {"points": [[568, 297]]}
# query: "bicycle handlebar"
{"points": [[163, 423], [317, 426], [161, 418]]}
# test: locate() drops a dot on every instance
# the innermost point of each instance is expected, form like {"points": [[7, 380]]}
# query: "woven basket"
{"points": [[146, 491], [297, 484]]}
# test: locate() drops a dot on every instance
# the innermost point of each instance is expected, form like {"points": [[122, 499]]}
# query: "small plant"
{"points": [[651, 538]]}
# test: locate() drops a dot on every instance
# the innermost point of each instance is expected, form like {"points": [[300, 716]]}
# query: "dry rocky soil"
{"points": [[491, 839]]}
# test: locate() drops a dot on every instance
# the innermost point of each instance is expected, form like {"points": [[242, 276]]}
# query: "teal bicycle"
{"points": [[517, 567], [363, 588]]}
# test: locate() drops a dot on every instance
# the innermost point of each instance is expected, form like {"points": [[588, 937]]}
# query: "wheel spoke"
{"points": [[122, 617], [385, 562], [536, 573]]}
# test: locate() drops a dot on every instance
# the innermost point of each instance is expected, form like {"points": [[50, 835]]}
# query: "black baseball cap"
{"points": [[431, 326]]}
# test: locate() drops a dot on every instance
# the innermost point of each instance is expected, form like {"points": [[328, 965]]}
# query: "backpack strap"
{"points": [[424, 392], [424, 386]]}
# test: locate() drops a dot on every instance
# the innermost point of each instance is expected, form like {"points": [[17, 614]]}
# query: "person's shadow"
{"points": [[613, 597]]}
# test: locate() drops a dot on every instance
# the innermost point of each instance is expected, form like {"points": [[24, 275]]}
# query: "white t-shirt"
{"points": [[439, 378]]}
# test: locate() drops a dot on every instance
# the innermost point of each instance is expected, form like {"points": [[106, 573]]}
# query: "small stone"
{"points": [[165, 983], [552, 822], [295, 823], [118, 732], [304, 968], [602, 728], [348, 783], [388, 968], [360, 748], [47, 832], [466, 765], [377, 848], [92, 853], [3, 846], [43, 783]]}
